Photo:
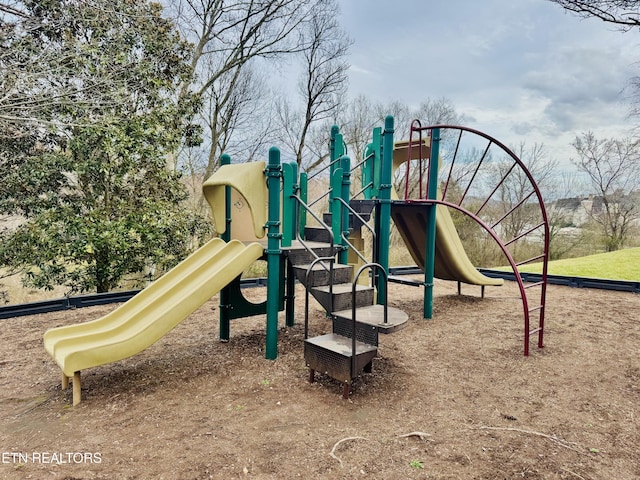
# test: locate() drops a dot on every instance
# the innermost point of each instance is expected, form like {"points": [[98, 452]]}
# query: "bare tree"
{"points": [[438, 111], [613, 168], [323, 82], [233, 120], [228, 36], [402, 114], [236, 117], [624, 13], [357, 121], [517, 186]]}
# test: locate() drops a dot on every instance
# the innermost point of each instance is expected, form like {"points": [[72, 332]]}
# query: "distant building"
{"points": [[576, 211]]}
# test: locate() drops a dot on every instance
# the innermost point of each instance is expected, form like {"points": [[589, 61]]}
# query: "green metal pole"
{"points": [[335, 206], [345, 194], [335, 130], [289, 187], [367, 172], [225, 159], [377, 167], [289, 229], [304, 188], [274, 174], [225, 293], [430, 253], [384, 208]]}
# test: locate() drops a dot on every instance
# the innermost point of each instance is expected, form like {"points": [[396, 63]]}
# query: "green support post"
{"points": [[332, 148], [289, 230], [377, 160], [371, 167], [430, 253], [335, 206], [274, 174], [225, 293], [289, 187], [366, 172], [383, 217], [345, 194], [304, 191], [336, 150]]}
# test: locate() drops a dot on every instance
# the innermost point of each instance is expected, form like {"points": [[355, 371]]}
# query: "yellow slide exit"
{"points": [[153, 312], [451, 261]]}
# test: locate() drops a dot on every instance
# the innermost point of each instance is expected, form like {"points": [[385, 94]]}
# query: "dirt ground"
{"points": [[448, 398]]}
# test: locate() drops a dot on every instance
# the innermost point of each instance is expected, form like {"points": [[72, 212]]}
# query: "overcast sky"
{"points": [[517, 69]]}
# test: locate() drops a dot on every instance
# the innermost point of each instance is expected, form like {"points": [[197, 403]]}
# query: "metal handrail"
{"points": [[361, 162], [364, 223], [326, 227], [360, 256], [320, 197], [357, 165], [328, 165], [368, 185], [306, 293], [317, 259], [371, 265]]}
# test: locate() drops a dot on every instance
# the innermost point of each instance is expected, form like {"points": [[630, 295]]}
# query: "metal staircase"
{"points": [[356, 320]]}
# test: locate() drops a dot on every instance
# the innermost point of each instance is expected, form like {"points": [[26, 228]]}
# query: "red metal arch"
{"points": [[490, 229]]}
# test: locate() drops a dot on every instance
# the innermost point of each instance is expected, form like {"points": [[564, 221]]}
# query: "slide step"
{"points": [[317, 234], [331, 354], [319, 275], [342, 296], [374, 315], [340, 345]]}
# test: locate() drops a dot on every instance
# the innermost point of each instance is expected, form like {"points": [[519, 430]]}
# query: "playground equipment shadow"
{"points": [[452, 397]]}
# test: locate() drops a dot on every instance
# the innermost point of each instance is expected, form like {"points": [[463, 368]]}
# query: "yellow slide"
{"points": [[153, 312], [451, 261]]}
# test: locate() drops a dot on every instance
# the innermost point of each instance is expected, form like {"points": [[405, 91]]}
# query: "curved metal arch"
{"points": [[417, 127], [512, 263], [502, 146]]}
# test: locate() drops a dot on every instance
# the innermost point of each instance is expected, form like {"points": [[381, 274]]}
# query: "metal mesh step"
{"points": [[319, 275], [342, 296], [374, 315], [331, 354]]}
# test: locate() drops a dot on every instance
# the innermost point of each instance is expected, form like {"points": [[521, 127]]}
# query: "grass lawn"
{"points": [[619, 265]]}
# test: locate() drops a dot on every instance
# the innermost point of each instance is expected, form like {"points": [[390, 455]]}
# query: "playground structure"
{"points": [[255, 200]]}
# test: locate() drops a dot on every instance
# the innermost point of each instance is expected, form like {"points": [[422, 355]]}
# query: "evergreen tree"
{"points": [[88, 117]]}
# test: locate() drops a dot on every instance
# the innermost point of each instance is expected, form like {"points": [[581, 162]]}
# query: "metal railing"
{"points": [[307, 208], [372, 266], [364, 223], [328, 165], [307, 274]]}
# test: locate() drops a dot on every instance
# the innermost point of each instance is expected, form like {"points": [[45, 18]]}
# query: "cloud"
{"points": [[514, 69], [581, 87], [359, 70]]}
